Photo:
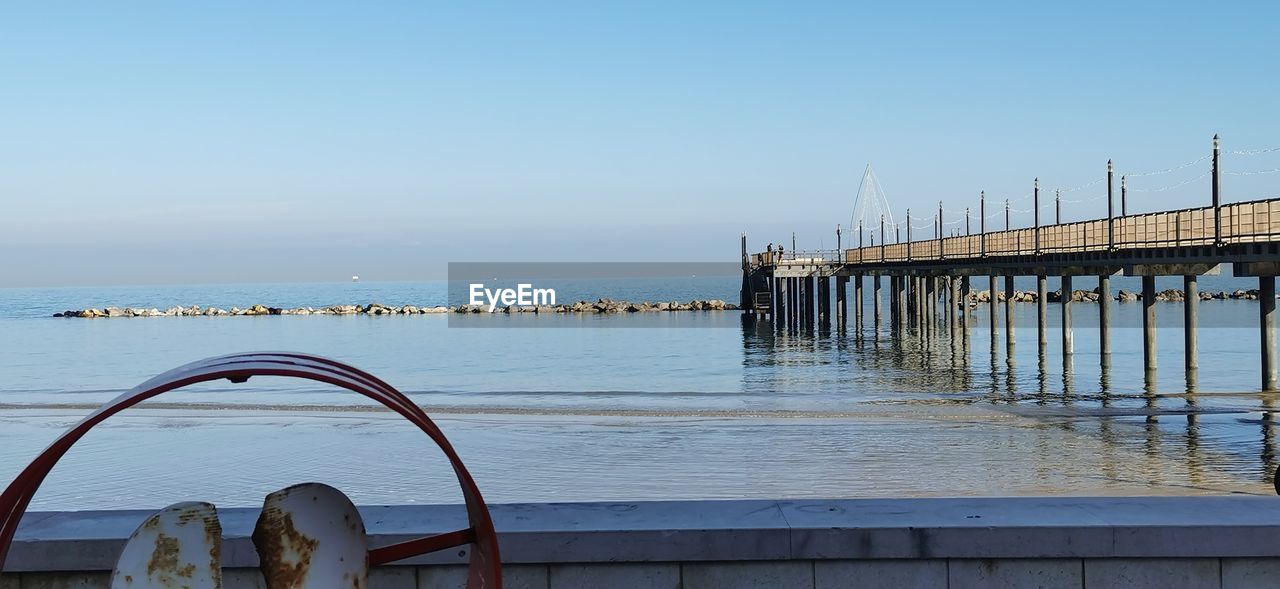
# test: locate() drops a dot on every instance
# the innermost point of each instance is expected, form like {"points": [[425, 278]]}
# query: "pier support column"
{"points": [[806, 302], [913, 302], [893, 303], [824, 302], [1008, 314], [1104, 318], [811, 298], [935, 294], [995, 312], [793, 303], [783, 303], [903, 286], [894, 309], [898, 301], [875, 303], [842, 302], [924, 302], [953, 287], [1267, 316], [913, 306], [965, 290], [1190, 322], [796, 309], [1068, 339], [930, 303], [1149, 323], [1042, 310], [857, 302], [779, 302]]}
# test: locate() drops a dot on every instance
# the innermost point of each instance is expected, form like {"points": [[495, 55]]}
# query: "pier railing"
{"points": [[1231, 224]]}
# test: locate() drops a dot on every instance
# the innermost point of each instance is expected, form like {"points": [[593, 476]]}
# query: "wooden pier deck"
{"points": [[792, 288]]}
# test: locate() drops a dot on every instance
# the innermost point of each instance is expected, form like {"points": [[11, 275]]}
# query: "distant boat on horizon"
{"points": [[355, 278]]}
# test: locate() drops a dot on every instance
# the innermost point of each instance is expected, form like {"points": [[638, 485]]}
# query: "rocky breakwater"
{"points": [[599, 306], [1124, 296]]}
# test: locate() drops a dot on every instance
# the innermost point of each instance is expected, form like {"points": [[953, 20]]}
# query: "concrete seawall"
{"points": [[1167, 542]]}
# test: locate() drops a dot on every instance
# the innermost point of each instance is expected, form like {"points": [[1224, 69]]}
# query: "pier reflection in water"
{"points": [[701, 407], [1162, 429]]}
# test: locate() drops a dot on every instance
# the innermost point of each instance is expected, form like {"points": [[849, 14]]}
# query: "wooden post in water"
{"points": [[930, 303], [1149, 323], [1008, 314], [809, 299], [802, 309], [1042, 310], [1267, 312], [896, 309], [857, 302], [893, 303], [931, 290], [789, 293], [995, 312], [1190, 322], [812, 298], [837, 313], [829, 300], [793, 303], [793, 316], [913, 306], [781, 293], [908, 305], [964, 305], [1104, 318], [788, 303], [875, 302], [842, 303], [824, 302], [953, 287], [824, 291], [926, 292], [903, 286], [939, 302], [775, 305], [922, 290], [1068, 341]]}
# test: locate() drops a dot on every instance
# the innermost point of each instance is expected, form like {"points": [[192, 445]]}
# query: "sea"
{"points": [[687, 405]]}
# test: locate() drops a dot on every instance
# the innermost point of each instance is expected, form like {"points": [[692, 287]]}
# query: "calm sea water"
{"points": [[707, 405]]}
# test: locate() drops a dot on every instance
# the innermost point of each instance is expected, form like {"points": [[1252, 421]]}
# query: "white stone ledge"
{"points": [[726, 531]]}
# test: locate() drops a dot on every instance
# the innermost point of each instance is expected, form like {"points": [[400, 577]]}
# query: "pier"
{"points": [[791, 288]]}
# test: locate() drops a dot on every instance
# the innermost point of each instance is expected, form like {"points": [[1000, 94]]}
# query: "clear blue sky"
{"points": [[179, 142]]}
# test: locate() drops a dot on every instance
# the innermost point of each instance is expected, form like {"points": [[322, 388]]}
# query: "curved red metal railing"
{"points": [[485, 563]]}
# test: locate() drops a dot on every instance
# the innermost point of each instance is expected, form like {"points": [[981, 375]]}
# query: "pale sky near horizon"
{"points": [[148, 143]]}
